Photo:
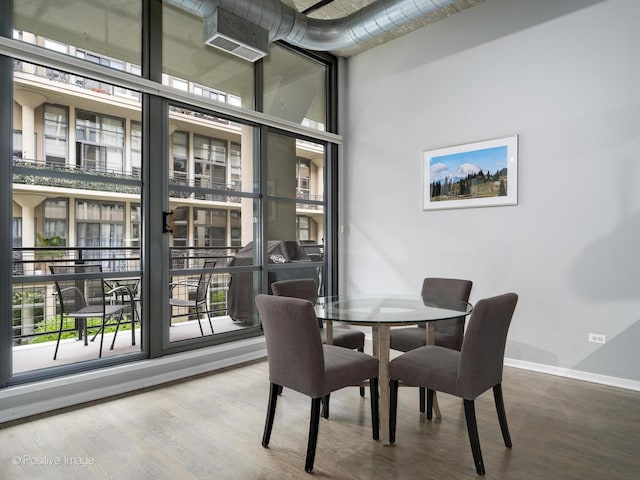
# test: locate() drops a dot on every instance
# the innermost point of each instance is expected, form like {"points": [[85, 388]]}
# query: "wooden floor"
{"points": [[210, 427]]}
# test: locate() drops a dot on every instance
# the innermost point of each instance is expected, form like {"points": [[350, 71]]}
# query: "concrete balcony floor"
{"points": [[40, 355]]}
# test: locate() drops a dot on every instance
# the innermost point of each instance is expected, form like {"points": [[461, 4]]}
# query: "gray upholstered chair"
{"points": [[342, 337], [299, 361], [449, 333], [468, 373]]}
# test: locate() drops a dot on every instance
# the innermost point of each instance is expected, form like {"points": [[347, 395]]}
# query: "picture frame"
{"points": [[478, 174]]}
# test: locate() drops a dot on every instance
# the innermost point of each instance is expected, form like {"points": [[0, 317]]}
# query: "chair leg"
{"points": [[102, 329], [199, 320], [472, 428], [55, 353], [113, 342], [375, 411], [429, 404], [502, 416], [134, 316], [361, 350], [95, 335], [314, 424], [209, 318], [85, 327], [393, 409], [271, 413], [101, 338], [325, 406], [422, 399]]}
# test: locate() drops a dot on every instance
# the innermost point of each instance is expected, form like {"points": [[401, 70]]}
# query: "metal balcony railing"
{"points": [[41, 172], [35, 310]]}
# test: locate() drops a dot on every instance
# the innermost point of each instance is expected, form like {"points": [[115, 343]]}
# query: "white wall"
{"points": [[565, 77]]}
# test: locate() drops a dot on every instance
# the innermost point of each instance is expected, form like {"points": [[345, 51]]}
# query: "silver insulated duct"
{"points": [[285, 23]]}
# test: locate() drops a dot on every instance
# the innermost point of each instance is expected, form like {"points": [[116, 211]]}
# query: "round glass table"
{"points": [[381, 312]]}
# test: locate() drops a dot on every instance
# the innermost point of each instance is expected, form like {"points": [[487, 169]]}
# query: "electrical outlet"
{"points": [[597, 338]]}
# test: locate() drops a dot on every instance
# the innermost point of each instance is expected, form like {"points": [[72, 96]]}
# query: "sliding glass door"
{"points": [[212, 203]]}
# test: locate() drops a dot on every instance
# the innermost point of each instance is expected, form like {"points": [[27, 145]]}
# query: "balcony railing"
{"points": [[200, 189], [84, 83], [35, 309], [305, 195], [50, 174], [41, 172]]}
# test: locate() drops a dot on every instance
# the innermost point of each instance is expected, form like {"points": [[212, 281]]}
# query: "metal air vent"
{"points": [[235, 35]]}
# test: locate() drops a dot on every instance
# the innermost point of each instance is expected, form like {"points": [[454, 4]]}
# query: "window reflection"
{"points": [[210, 188], [300, 97], [191, 66]]}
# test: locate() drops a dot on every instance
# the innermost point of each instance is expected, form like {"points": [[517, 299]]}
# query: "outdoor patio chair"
{"points": [[85, 298], [200, 303]]}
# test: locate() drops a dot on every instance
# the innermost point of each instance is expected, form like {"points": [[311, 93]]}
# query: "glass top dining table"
{"points": [[381, 312], [392, 310]]}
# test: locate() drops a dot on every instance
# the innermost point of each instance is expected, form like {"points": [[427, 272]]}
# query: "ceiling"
{"points": [[331, 9]]}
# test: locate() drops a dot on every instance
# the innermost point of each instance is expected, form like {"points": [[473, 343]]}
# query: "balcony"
{"points": [[36, 318], [49, 174]]}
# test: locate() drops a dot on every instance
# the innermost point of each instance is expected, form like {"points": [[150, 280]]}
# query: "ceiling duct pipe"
{"points": [[285, 23]]}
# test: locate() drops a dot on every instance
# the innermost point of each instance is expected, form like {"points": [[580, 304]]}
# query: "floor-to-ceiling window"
{"points": [[94, 175]]}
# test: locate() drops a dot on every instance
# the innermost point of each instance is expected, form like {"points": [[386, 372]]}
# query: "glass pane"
{"points": [[294, 88], [290, 221], [136, 148], [208, 152], [192, 66], [74, 204], [295, 222], [295, 168], [213, 221], [107, 33]]}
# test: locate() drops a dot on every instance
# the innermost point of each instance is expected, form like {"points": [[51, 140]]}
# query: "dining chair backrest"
{"points": [[448, 289], [305, 288], [482, 355], [294, 346]]}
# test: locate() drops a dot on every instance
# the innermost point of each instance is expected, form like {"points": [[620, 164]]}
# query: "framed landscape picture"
{"points": [[479, 174]]}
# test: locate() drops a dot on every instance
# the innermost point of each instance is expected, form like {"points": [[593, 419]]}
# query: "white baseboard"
{"points": [[574, 374], [48, 395], [558, 371]]}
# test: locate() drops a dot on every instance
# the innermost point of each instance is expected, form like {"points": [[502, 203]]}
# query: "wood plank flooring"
{"points": [[210, 427]]}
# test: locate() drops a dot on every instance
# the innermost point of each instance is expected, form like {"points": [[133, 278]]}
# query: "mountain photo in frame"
{"points": [[479, 174]]}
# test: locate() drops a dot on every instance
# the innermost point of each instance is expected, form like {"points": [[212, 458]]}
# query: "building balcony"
{"points": [[36, 306]]}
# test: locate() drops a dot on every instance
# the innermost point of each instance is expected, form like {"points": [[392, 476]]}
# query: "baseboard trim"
{"points": [[558, 371], [574, 374], [45, 396]]}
